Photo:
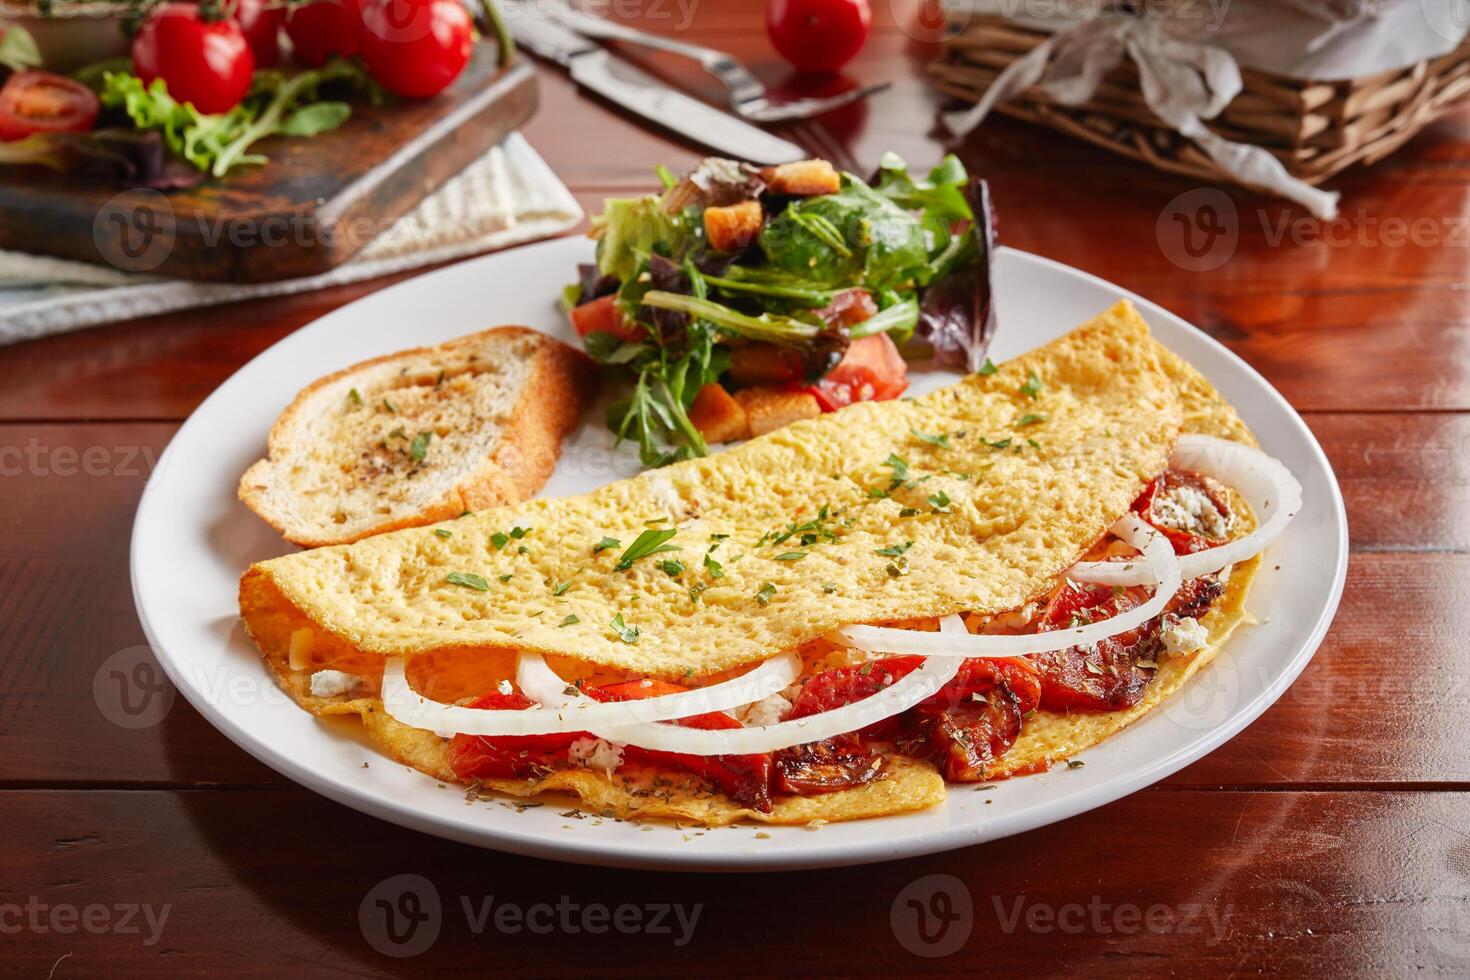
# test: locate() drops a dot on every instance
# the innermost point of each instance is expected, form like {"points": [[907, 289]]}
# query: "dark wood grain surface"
{"points": [[1331, 837]]}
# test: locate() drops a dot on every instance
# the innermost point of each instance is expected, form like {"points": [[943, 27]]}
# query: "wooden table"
{"points": [[1332, 836]]}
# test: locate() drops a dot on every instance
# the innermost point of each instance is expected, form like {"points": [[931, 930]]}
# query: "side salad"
{"points": [[739, 299], [207, 81]]}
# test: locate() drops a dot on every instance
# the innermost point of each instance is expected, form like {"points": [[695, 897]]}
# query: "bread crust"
{"points": [[549, 405]]}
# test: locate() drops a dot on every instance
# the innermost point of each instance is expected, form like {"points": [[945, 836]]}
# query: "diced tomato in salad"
{"points": [[603, 315], [871, 370]]}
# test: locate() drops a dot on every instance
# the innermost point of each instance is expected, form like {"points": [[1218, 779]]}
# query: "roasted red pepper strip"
{"points": [[744, 778]]}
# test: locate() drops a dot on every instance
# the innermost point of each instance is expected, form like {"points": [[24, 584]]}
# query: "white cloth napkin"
{"points": [[507, 197]]}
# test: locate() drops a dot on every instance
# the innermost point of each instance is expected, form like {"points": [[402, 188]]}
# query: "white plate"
{"points": [[192, 540]]}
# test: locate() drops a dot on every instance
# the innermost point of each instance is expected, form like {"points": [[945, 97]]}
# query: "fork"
{"points": [[748, 97]]}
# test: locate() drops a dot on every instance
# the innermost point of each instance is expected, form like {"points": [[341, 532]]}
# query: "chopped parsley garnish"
{"points": [[561, 588], [792, 556], [650, 542], [1030, 418], [715, 569], [355, 397], [829, 588], [443, 532], [1075, 763], [672, 567], [899, 466], [894, 550], [439, 380], [505, 578], [767, 592], [628, 634], [1033, 443], [988, 367], [942, 441], [909, 512], [571, 620], [388, 404], [468, 580], [1001, 444], [499, 539], [898, 568], [420, 446], [398, 433], [1032, 387], [605, 544], [519, 532], [940, 500]]}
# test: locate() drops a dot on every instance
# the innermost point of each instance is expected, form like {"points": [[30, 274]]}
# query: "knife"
{"points": [[635, 90]]}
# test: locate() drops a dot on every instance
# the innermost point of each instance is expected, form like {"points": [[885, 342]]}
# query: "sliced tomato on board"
{"points": [[603, 315], [872, 370], [40, 102]]}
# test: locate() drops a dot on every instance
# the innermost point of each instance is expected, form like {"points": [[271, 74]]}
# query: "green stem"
{"points": [[266, 124], [504, 42], [902, 317], [767, 327], [814, 297], [681, 419]]}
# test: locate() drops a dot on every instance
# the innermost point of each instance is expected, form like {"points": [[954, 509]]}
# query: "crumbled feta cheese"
{"points": [[594, 753], [1183, 635], [330, 683], [504, 687], [1187, 509], [767, 711]]}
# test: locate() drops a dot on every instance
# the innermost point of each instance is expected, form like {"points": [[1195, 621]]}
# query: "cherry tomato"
{"points": [[323, 29], [206, 63], [605, 316], [262, 26], [818, 35], [40, 102], [872, 370], [415, 48]]}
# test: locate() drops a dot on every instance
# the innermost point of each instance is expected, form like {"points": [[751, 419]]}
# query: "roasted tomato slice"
{"points": [[964, 739], [506, 756], [1104, 676], [1195, 597], [980, 675], [746, 779], [827, 766], [1192, 510], [40, 102], [844, 685]]}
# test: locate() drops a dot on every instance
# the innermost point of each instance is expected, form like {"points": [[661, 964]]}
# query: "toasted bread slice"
{"points": [[420, 436], [769, 409]]}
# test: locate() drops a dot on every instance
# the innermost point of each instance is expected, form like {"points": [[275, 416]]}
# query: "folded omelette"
{"points": [[974, 500]]}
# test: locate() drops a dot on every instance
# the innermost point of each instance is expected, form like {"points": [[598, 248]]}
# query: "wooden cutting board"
{"points": [[312, 207]]}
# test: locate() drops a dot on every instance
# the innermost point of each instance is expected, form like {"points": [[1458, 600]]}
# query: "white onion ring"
{"points": [[1266, 484], [561, 713], [1158, 554], [921, 683]]}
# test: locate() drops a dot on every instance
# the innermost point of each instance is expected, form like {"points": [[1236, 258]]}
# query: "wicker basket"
{"points": [[1316, 129]]}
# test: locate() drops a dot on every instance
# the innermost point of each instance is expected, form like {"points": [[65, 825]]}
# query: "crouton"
{"points": [[733, 228], [769, 409], [805, 178], [717, 416]]}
